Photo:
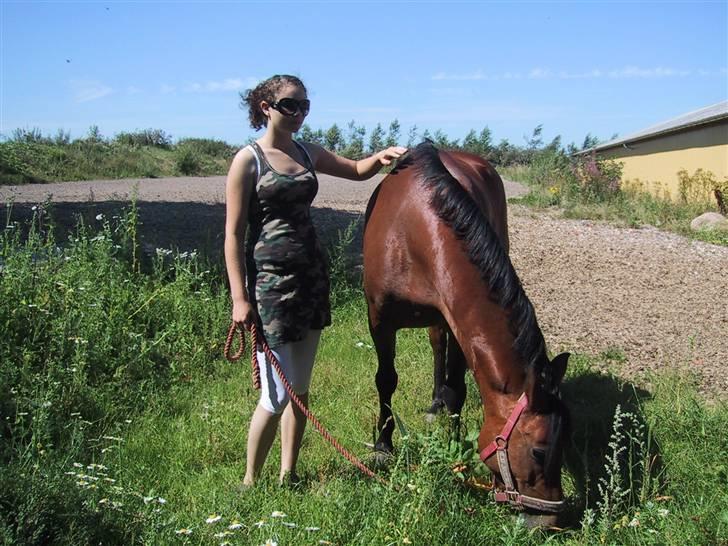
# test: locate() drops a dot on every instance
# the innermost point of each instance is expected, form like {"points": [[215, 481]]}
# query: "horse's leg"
{"points": [[438, 342], [386, 379], [454, 390]]}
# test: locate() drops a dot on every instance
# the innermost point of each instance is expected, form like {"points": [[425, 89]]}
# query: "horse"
{"points": [[436, 256]]}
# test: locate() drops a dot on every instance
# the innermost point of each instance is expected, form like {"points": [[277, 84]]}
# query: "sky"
{"points": [[574, 67]]}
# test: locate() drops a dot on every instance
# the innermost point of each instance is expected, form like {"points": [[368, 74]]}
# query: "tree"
{"points": [[393, 134], [333, 139], [376, 139], [485, 143], [470, 143], [305, 133], [355, 147], [411, 136]]}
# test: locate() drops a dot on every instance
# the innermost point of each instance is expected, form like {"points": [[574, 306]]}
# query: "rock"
{"points": [[709, 220]]}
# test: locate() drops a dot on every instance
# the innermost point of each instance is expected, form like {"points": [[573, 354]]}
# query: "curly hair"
{"points": [[265, 91]]}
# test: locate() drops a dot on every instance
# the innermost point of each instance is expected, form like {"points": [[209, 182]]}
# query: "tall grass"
{"points": [[589, 188], [122, 424]]}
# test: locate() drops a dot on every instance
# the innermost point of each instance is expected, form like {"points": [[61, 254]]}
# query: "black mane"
{"points": [[458, 210]]}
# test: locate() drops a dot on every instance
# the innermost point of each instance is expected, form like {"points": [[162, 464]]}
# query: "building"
{"points": [[653, 157]]}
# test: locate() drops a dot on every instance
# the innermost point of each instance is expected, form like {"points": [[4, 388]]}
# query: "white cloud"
{"points": [[165, 89], [133, 90], [88, 90], [538, 73], [229, 84], [637, 72], [472, 76]]}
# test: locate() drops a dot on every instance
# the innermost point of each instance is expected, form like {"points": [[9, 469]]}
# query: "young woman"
{"points": [[278, 276]]}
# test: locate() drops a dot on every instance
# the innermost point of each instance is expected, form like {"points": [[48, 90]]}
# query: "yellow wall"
{"points": [[655, 162]]}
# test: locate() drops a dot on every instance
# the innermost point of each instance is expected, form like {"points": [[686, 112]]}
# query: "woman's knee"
{"points": [[274, 403]]}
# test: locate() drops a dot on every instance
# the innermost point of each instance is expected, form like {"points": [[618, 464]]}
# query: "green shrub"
{"points": [[208, 146], [187, 160], [147, 137]]}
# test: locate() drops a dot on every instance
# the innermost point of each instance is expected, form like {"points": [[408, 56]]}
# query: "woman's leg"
{"points": [[262, 432], [294, 420], [267, 414]]}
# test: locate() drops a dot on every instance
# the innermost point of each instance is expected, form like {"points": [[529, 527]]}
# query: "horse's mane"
{"points": [[459, 211]]}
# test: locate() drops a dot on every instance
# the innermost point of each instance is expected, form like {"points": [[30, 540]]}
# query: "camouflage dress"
{"points": [[287, 271]]}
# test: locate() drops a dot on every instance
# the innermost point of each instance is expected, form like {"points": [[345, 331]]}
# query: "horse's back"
{"points": [[400, 191], [403, 233]]}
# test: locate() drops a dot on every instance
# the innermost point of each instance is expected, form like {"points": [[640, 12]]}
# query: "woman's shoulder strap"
{"points": [[254, 150], [306, 154]]}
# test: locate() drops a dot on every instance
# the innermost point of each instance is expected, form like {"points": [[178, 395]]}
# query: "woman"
{"points": [[278, 277]]}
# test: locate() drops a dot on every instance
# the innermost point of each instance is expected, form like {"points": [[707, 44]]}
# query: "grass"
{"points": [[553, 184], [45, 161], [122, 424]]}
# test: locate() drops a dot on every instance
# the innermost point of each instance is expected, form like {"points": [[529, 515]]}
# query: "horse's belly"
{"points": [[406, 314]]}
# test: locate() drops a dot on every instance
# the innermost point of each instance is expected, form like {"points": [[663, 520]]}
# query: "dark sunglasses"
{"points": [[290, 107]]}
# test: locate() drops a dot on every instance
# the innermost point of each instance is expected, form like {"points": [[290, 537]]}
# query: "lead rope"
{"points": [[276, 365]]}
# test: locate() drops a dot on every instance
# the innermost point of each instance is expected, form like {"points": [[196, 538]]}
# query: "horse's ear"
{"points": [[558, 368], [542, 386]]}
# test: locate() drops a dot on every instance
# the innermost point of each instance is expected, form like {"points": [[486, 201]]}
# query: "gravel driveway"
{"points": [[639, 300]]}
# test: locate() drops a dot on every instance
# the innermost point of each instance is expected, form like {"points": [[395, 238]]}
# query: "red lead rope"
{"points": [[258, 342]]}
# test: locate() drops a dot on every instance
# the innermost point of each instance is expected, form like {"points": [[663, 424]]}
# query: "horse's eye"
{"points": [[539, 455]]}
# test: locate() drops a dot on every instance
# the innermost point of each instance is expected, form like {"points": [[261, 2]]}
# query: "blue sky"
{"points": [[575, 67]]}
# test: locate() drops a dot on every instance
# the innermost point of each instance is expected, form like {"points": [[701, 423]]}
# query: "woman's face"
{"points": [[289, 108]]}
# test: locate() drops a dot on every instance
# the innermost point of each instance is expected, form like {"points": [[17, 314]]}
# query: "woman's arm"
{"points": [[238, 189], [329, 163]]}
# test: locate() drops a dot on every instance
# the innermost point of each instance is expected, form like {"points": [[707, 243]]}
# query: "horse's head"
{"points": [[522, 444]]}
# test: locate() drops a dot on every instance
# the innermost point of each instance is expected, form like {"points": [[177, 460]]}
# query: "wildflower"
{"points": [[147, 500], [258, 524], [277, 514], [270, 542], [405, 540], [634, 523], [222, 534], [99, 217], [289, 524], [104, 501], [237, 525], [160, 500], [214, 518], [312, 529], [324, 542], [663, 512], [183, 531]]}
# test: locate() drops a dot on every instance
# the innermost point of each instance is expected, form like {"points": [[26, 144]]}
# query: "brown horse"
{"points": [[435, 255]]}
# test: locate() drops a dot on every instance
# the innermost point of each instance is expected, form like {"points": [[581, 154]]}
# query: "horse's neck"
{"points": [[479, 323]]}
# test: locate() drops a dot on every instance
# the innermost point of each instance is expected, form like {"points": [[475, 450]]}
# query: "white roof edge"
{"points": [[702, 116]]}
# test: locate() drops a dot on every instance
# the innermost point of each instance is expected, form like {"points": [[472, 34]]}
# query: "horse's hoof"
{"points": [[382, 459]]}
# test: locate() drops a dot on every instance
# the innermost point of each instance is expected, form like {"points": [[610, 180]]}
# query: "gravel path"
{"points": [[640, 300]]}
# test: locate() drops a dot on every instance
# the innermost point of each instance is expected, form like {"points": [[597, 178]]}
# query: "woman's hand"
{"points": [[244, 314], [386, 157]]}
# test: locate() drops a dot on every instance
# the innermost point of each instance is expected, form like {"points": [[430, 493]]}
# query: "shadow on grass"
{"points": [[179, 226], [593, 398]]}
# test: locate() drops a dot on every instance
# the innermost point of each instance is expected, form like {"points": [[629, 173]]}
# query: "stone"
{"points": [[709, 220]]}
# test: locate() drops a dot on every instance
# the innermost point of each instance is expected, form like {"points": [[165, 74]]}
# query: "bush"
{"points": [[187, 160], [146, 137], [208, 146]]}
